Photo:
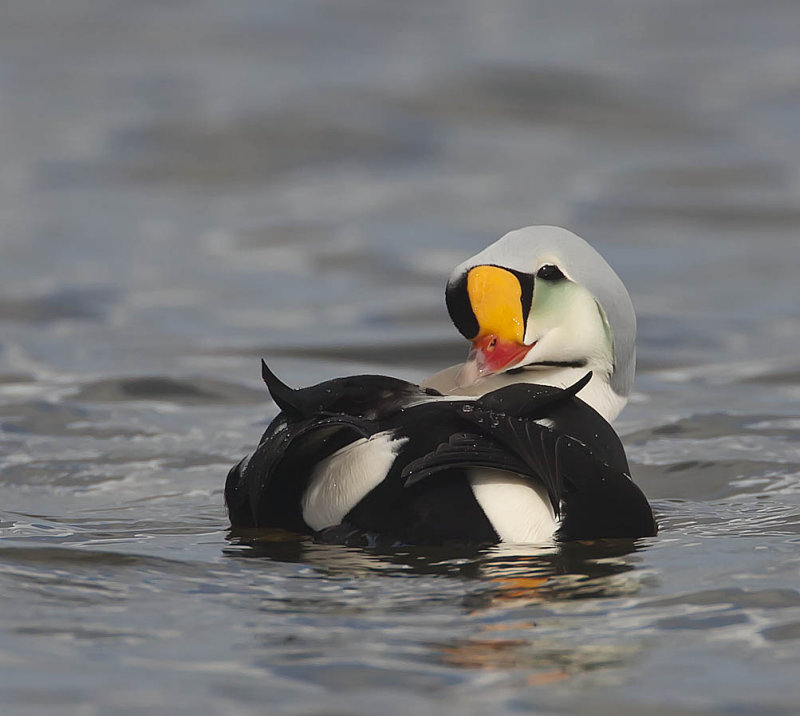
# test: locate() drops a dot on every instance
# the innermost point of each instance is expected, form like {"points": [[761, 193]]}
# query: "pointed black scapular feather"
{"points": [[582, 463], [284, 396], [598, 499], [565, 412], [527, 400], [313, 423], [508, 438], [372, 396]]}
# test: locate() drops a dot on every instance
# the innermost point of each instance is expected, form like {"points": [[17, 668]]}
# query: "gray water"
{"points": [[187, 186]]}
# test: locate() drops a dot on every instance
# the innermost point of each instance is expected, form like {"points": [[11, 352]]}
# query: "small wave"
{"points": [[180, 391]]}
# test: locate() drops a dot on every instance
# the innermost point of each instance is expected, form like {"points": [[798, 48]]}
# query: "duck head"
{"points": [[542, 299]]}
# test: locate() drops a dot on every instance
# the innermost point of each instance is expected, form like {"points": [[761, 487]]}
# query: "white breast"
{"points": [[342, 480]]}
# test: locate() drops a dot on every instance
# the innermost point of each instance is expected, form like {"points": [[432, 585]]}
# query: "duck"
{"points": [[541, 305], [376, 460], [512, 446]]}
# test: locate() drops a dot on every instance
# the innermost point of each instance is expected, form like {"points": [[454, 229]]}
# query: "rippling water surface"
{"points": [[185, 187]]}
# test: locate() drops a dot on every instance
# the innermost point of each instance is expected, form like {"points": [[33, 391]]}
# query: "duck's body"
{"points": [[376, 457], [542, 310]]}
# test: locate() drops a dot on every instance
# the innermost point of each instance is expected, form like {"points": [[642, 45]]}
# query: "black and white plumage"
{"points": [[379, 457]]}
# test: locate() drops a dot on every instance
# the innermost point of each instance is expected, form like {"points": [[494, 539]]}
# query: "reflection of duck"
{"points": [[372, 456], [500, 575], [520, 581], [502, 588], [522, 648], [509, 596]]}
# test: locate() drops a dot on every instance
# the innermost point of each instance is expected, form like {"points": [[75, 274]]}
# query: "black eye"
{"points": [[549, 272]]}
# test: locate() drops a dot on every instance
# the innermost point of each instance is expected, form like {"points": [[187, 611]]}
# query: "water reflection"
{"points": [[517, 581], [510, 574], [510, 594], [547, 661]]}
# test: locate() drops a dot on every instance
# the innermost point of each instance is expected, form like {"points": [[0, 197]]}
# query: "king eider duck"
{"points": [[510, 455]]}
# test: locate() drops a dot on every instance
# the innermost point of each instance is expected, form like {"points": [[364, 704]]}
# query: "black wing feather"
{"points": [[525, 448], [530, 400], [462, 450], [284, 396], [277, 471]]}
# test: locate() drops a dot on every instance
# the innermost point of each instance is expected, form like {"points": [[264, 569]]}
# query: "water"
{"points": [[186, 187]]}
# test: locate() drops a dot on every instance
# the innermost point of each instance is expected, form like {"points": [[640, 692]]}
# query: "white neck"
{"points": [[597, 393]]}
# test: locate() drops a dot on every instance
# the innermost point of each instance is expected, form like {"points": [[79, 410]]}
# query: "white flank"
{"points": [[342, 480], [519, 511]]}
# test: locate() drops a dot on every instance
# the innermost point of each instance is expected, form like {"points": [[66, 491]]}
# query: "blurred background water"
{"points": [[186, 186]]}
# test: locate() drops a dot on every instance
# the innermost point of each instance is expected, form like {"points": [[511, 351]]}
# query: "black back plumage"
{"points": [[580, 460], [542, 433], [314, 422]]}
